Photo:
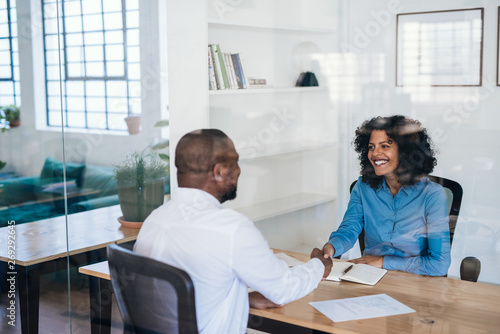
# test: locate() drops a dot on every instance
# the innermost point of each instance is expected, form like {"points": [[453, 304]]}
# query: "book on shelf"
{"points": [[219, 69], [238, 71], [358, 273], [212, 81], [230, 71]]}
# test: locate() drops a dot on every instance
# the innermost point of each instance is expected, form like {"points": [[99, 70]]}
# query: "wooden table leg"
{"points": [[101, 298], [29, 298]]}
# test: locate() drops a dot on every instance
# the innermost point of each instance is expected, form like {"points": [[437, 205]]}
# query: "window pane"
{"points": [[95, 88], [114, 52], [114, 37], [133, 54], [134, 88], [117, 105], [132, 37], [76, 119], [75, 88], [3, 15], [117, 89], [54, 118], [5, 58], [92, 23], [53, 88], [4, 30], [72, 8], [73, 24], [4, 44], [52, 72], [74, 54], [52, 57], [113, 21], [75, 70], [115, 69], [94, 69], [91, 6], [96, 104], [74, 39], [94, 38], [96, 121], [50, 11], [6, 88], [133, 19], [112, 5], [94, 53], [51, 42], [132, 4], [134, 71], [75, 103]]}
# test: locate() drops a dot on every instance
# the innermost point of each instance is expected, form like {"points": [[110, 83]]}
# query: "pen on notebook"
{"points": [[347, 270]]}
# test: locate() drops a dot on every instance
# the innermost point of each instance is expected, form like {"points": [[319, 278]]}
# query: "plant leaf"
{"points": [[161, 145], [164, 157], [161, 124], [2, 164]]}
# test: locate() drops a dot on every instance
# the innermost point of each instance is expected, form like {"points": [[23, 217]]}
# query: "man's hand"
{"points": [[327, 262], [375, 261], [258, 301], [328, 250]]}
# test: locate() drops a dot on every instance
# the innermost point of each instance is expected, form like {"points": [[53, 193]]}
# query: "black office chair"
{"points": [[153, 297], [454, 195]]}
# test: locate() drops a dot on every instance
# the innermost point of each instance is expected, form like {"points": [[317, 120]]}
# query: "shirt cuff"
{"points": [[337, 247], [394, 262]]}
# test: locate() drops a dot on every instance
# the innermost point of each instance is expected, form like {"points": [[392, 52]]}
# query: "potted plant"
{"points": [[11, 116], [141, 185]]}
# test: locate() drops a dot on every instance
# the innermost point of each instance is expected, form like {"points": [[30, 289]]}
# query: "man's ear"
{"points": [[219, 172]]}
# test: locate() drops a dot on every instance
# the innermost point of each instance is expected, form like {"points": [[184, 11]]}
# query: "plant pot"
{"points": [[133, 124], [137, 203], [15, 124]]}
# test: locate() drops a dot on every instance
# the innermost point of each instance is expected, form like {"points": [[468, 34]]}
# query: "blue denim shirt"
{"points": [[410, 230]]}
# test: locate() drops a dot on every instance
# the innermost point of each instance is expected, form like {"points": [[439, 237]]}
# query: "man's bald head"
{"points": [[198, 152]]}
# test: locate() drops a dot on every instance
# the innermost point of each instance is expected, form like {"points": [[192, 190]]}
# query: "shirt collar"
{"points": [[408, 189], [196, 196]]}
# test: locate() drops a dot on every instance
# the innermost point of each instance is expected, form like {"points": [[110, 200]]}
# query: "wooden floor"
{"points": [[55, 311]]}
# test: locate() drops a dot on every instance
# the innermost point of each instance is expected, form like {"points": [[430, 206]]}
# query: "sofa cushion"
{"points": [[53, 170], [100, 178]]}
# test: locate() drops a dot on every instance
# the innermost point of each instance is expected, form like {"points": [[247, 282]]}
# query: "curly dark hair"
{"points": [[415, 153]]}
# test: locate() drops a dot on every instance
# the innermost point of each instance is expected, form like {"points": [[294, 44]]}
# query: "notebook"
{"points": [[358, 273]]}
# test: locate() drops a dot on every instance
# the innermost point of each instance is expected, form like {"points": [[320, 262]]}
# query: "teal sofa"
{"points": [[31, 198]]}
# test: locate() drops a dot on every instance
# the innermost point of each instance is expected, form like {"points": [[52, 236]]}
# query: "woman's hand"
{"points": [[375, 261]]}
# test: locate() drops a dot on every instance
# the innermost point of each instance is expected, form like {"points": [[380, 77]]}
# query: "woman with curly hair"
{"points": [[403, 213]]}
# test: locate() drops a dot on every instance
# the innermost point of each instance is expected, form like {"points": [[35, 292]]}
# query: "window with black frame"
{"points": [[10, 90], [100, 62]]}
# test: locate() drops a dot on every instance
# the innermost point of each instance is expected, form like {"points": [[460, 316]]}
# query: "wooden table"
{"points": [[442, 305], [43, 247]]}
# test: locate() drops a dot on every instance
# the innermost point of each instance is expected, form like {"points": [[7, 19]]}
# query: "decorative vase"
{"points": [[133, 124], [138, 202]]}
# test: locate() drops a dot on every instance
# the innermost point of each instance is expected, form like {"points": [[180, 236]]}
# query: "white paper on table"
{"points": [[290, 261], [364, 307]]}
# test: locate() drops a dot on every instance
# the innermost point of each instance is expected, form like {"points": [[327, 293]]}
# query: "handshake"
{"points": [[325, 256]]}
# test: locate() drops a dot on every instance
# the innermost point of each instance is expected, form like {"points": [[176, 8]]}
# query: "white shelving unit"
{"points": [[286, 135]]}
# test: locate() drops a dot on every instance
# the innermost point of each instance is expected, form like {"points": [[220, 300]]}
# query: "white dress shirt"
{"points": [[223, 253]]}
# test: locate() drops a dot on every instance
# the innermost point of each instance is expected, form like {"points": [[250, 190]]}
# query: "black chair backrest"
{"points": [[454, 195], [153, 297]]}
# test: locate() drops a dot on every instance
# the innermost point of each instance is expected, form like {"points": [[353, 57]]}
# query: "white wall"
{"points": [[467, 139]]}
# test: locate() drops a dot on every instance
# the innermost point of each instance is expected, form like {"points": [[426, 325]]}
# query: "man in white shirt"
{"points": [[221, 250]]}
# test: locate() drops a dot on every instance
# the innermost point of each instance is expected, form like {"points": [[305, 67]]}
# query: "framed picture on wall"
{"points": [[442, 48]]}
